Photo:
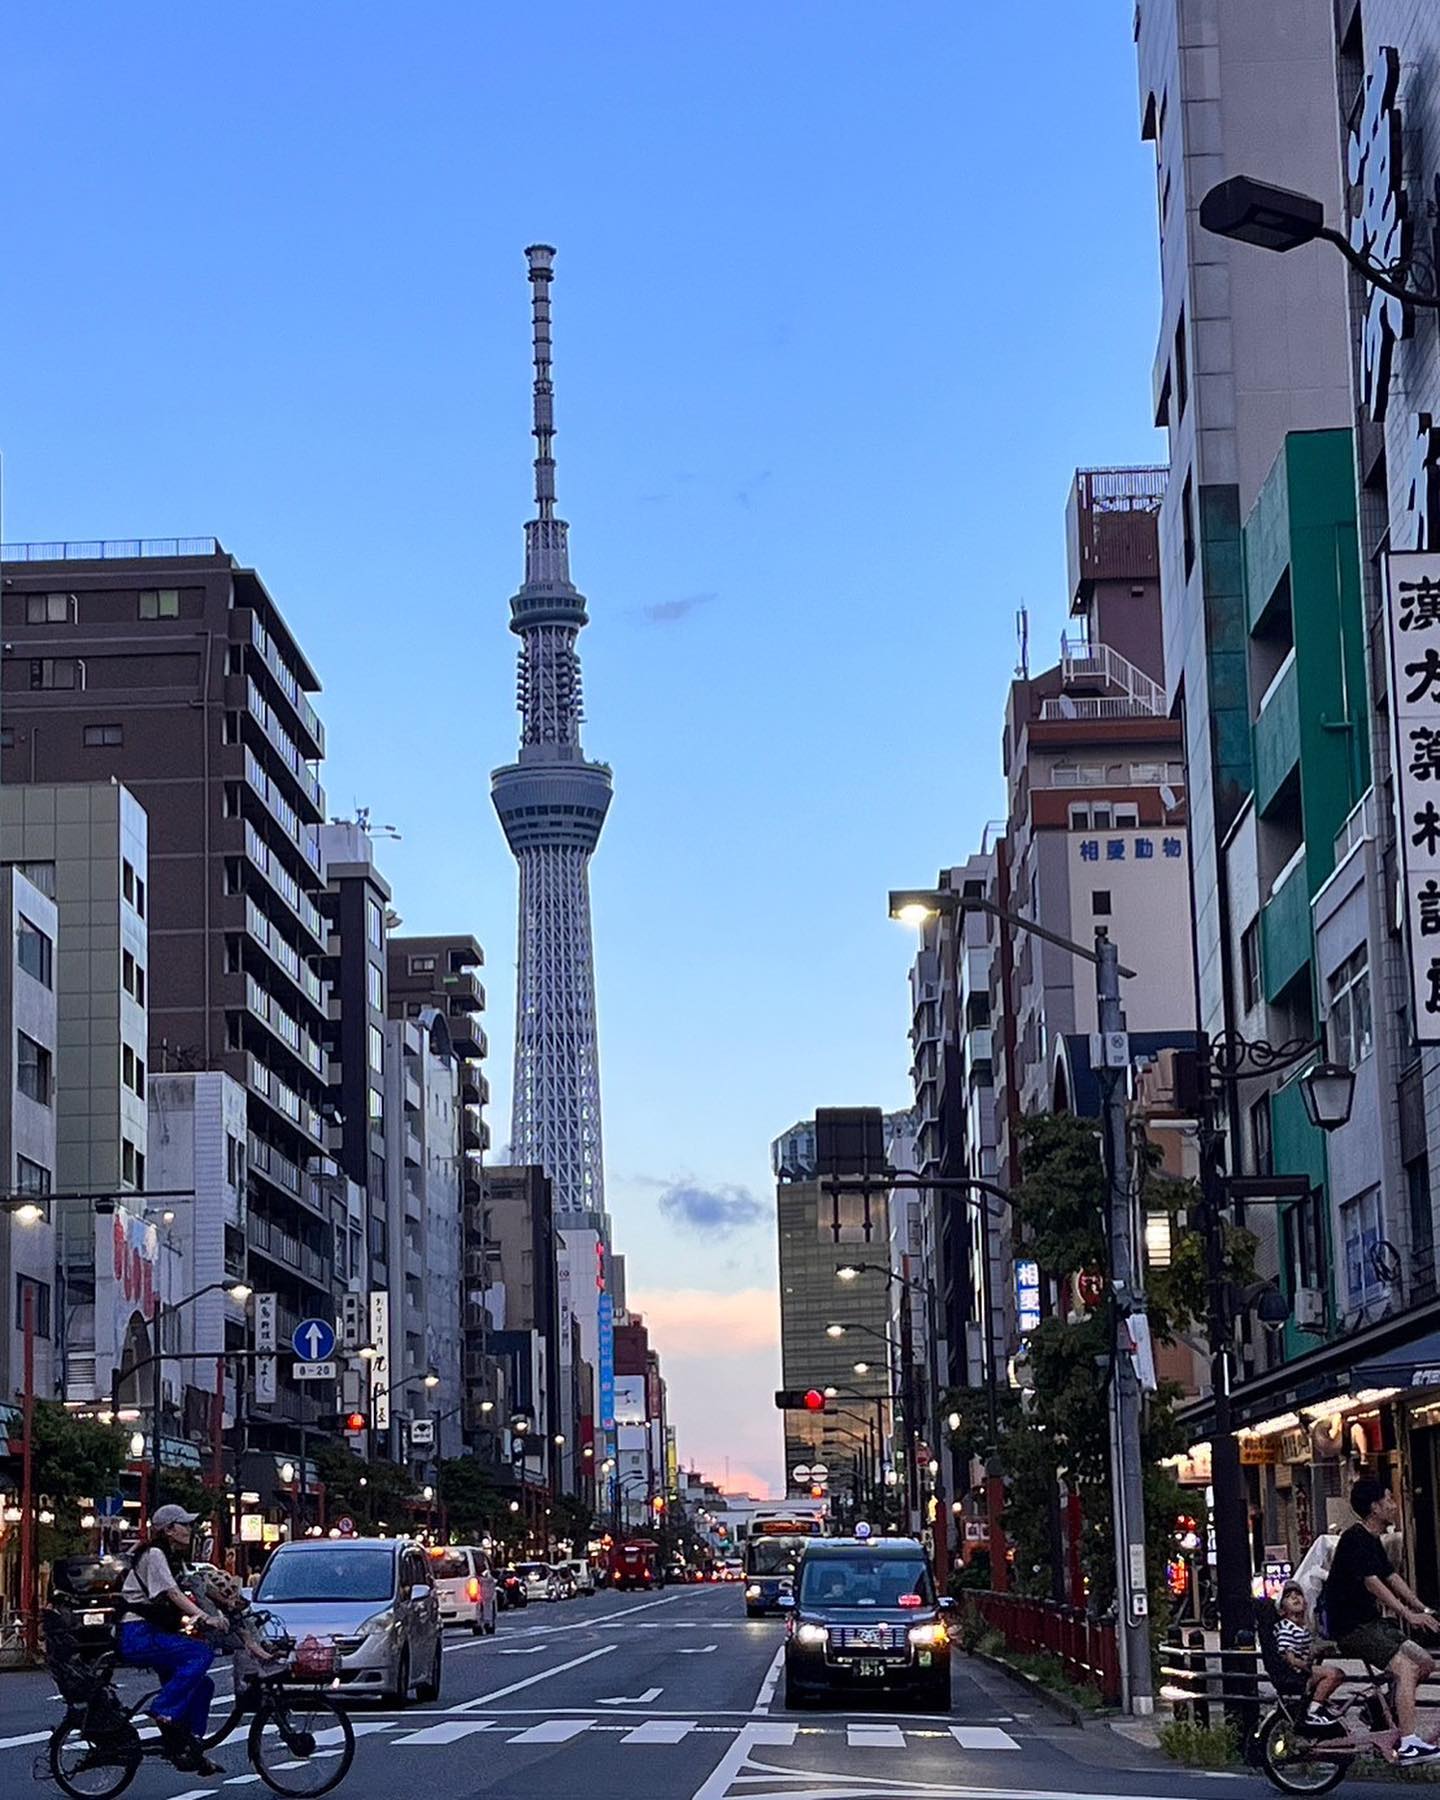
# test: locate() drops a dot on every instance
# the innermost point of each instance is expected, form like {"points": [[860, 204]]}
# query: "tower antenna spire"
{"points": [[541, 258]]}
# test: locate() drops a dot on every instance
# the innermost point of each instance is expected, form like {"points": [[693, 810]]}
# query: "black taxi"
{"points": [[866, 1619]]}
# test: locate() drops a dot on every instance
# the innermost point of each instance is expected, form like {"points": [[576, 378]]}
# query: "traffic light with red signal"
{"points": [[346, 1421], [800, 1400]]}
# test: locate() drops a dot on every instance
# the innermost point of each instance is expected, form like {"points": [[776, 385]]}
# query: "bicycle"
{"points": [[1306, 1759], [301, 1743]]}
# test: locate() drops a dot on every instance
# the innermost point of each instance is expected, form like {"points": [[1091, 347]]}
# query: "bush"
{"points": [[1200, 1746]]}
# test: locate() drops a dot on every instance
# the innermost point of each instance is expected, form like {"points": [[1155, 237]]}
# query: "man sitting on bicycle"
{"points": [[156, 1618], [1368, 1606]]}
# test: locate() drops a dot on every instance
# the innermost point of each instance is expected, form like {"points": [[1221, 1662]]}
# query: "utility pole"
{"points": [[1127, 1297]]}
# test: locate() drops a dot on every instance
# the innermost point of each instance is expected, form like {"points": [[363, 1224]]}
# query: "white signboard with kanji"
{"points": [[1412, 618]]}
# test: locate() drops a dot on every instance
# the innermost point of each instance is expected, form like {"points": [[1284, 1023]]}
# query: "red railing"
{"points": [[1084, 1647]]}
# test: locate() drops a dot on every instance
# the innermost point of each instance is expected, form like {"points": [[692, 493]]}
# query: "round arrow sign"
{"points": [[801, 1472], [819, 1471], [314, 1340]]}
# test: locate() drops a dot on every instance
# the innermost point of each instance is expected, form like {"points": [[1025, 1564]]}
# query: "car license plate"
{"points": [[92, 1618], [870, 1668]]}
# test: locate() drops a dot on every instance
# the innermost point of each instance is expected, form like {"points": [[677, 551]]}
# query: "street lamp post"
{"points": [[1327, 1092], [239, 1292], [1133, 1634]]}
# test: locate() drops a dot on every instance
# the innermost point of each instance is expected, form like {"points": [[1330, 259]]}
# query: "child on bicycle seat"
{"points": [[1296, 1643], [225, 1599]]}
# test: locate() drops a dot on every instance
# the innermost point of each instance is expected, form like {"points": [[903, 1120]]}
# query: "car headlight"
{"points": [[934, 1633], [752, 1592], [378, 1622], [811, 1634]]}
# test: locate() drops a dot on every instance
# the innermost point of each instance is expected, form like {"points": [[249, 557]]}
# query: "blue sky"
{"points": [[843, 295]]}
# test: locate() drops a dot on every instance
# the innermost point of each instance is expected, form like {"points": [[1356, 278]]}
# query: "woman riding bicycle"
{"points": [[156, 1615]]}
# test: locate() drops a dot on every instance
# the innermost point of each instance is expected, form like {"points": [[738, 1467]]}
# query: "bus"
{"points": [[772, 1555]]}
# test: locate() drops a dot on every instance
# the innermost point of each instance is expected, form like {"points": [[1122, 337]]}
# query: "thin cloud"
{"points": [[711, 1212], [669, 612], [690, 1322]]}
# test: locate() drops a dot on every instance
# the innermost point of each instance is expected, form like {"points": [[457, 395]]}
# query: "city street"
{"points": [[671, 1695]]}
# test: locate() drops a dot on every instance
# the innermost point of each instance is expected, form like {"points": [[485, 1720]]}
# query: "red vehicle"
{"points": [[633, 1564]]}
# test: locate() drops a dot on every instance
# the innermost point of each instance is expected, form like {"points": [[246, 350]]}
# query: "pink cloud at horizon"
{"points": [[720, 1356]]}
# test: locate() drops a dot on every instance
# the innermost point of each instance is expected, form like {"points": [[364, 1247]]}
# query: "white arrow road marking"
{"points": [[483, 1700], [698, 1650], [524, 1650], [634, 1699], [767, 1686], [447, 1733], [553, 1731], [28, 1737]]}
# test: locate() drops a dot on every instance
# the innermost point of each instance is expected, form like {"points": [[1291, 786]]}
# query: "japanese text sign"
{"points": [[1412, 617]]}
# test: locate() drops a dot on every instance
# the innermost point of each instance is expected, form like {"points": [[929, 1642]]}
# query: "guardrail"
{"points": [[1084, 1647]]}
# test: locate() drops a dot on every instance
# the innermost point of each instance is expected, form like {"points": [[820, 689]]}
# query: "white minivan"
{"points": [[581, 1574], [464, 1586]]}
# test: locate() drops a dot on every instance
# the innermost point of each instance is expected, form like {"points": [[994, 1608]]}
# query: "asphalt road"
{"points": [[670, 1696]]}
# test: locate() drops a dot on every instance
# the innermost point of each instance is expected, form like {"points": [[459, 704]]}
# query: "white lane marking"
{"points": [[875, 1737], [27, 1737], [767, 1686], [553, 1731], [599, 1624], [446, 1733], [524, 1650], [484, 1700], [659, 1731], [982, 1737], [633, 1699], [698, 1650], [240, 1780], [192, 1794], [717, 1784]]}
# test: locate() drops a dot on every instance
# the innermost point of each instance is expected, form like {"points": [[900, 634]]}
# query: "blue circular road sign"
{"points": [[314, 1340]]}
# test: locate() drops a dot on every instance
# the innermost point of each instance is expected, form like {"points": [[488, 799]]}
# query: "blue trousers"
{"points": [[183, 1661]]}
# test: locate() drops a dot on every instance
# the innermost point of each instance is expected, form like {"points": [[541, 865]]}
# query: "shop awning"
{"points": [[1409, 1366]]}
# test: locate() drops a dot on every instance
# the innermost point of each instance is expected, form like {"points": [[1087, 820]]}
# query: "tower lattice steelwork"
{"points": [[552, 804]]}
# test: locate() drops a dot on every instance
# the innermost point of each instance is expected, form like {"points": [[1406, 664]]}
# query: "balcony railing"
{"points": [[289, 686], [1359, 825], [108, 549]]}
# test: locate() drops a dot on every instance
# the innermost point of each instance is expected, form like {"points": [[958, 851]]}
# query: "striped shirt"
{"points": [[1295, 1640]]}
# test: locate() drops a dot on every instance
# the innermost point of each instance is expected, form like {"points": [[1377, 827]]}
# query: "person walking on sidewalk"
{"points": [[1370, 1611], [155, 1624]]}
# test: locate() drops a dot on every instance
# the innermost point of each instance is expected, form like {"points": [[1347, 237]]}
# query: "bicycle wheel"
{"points": [[89, 1771], [301, 1744], [238, 1708], [1295, 1762]]}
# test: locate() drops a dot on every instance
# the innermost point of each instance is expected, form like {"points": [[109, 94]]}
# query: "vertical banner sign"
{"points": [[380, 1377], [607, 1367], [352, 1321], [1412, 618], [267, 1313]]}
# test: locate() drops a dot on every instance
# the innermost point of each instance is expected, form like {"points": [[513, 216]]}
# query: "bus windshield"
{"points": [[773, 1555]]}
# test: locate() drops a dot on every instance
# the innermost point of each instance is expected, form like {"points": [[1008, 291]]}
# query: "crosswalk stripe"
{"points": [[982, 1737], [875, 1737], [780, 1734], [448, 1732], [659, 1731], [553, 1731]]}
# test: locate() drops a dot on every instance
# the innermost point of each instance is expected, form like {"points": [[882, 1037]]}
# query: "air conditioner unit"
{"points": [[1309, 1309]]}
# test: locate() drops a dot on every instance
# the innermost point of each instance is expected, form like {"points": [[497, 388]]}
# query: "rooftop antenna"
{"points": [[362, 819], [1022, 642]]}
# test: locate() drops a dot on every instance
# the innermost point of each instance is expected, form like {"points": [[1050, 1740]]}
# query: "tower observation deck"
{"points": [[552, 804]]}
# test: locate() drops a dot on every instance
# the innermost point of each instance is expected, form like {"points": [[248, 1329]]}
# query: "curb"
{"points": [[1067, 1709]]}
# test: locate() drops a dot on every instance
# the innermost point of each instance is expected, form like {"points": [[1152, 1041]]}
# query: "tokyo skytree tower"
{"points": [[552, 804]]}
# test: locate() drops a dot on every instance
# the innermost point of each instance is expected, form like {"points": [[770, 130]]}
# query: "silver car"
{"points": [[375, 1598]]}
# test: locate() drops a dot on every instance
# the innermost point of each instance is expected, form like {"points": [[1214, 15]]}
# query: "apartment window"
{"points": [[1351, 1035], [374, 924], [1250, 964], [1127, 818], [39, 1296], [133, 1069], [160, 603], [1100, 818], [7, 737], [377, 1050], [1360, 1233], [57, 672], [127, 1161], [133, 977], [377, 1106], [104, 737], [234, 1160], [1187, 513], [422, 965], [31, 1177], [132, 886], [1100, 903], [374, 987], [35, 953], [1262, 1151], [32, 1069], [40, 875], [1182, 366], [1079, 818], [47, 609]]}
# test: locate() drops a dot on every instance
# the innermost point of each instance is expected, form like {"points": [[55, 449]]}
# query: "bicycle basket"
{"points": [[314, 1660]]}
